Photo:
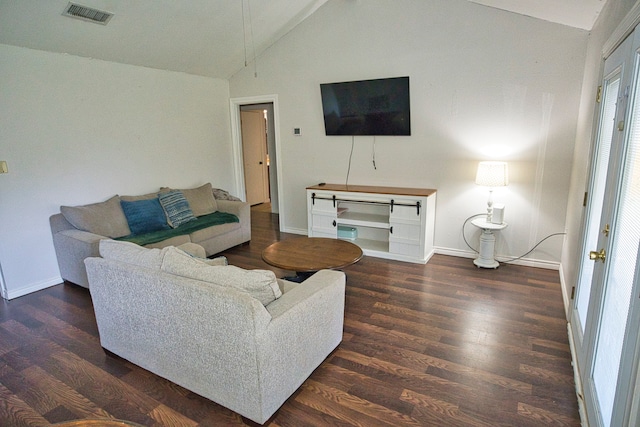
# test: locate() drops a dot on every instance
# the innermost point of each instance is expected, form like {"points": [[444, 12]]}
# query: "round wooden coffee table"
{"points": [[306, 255]]}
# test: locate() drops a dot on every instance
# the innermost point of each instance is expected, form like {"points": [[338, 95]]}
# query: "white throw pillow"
{"points": [[260, 284], [221, 260], [131, 253]]}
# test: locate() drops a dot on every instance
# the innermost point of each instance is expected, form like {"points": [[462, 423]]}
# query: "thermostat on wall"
{"points": [[297, 131]]}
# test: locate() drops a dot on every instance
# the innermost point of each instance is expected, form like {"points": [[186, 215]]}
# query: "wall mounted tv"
{"points": [[367, 107]]}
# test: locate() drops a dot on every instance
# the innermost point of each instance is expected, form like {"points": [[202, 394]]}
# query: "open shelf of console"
{"points": [[364, 219]]}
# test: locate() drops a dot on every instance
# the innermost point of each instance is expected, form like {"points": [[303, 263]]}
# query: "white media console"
{"points": [[386, 222]]}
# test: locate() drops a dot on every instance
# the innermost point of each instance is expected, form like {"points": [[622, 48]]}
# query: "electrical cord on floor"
{"points": [[511, 259], [532, 249]]}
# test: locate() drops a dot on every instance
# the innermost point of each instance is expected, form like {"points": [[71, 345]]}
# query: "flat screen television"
{"points": [[367, 107]]}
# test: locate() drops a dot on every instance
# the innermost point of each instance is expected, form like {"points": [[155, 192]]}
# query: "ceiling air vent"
{"points": [[87, 14]]}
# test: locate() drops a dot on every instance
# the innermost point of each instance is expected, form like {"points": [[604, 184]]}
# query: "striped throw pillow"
{"points": [[176, 208]]}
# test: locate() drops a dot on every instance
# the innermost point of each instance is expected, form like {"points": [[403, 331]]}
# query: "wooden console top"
{"points": [[401, 191]]}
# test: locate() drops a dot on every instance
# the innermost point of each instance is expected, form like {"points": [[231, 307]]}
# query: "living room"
{"points": [[460, 84], [78, 130], [486, 84]]}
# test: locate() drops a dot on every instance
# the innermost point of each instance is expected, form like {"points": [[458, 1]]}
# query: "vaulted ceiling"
{"points": [[573, 13], [213, 38]]}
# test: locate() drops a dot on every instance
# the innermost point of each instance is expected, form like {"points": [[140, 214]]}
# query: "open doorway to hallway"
{"points": [[277, 195], [258, 152], [270, 103], [263, 207], [255, 154]]}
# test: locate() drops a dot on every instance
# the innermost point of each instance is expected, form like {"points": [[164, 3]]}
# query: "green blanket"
{"points": [[201, 222]]}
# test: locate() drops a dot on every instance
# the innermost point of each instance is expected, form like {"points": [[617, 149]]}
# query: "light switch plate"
{"points": [[3, 167]]}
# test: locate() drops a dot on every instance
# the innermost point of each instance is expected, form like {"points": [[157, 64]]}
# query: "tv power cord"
{"points": [[346, 182], [510, 259]]}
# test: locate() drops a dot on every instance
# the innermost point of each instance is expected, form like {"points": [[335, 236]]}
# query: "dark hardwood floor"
{"points": [[441, 344]]}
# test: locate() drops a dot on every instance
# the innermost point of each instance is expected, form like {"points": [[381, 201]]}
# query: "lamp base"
{"points": [[487, 245], [485, 264]]}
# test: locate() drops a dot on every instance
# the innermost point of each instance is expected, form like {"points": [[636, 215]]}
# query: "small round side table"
{"points": [[487, 242]]}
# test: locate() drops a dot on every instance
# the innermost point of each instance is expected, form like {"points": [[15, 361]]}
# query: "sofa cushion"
{"points": [[286, 285], [176, 208], [213, 232], [260, 284], [200, 199], [144, 216], [198, 252], [105, 218], [193, 249], [130, 253]]}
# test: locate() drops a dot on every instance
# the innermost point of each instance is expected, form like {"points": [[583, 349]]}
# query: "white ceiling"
{"points": [[574, 13], [202, 37]]}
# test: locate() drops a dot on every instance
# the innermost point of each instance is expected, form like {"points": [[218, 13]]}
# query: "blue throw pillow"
{"points": [[144, 216], [176, 208]]}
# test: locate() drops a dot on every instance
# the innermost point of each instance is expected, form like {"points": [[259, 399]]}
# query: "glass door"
{"points": [[612, 107], [607, 354]]}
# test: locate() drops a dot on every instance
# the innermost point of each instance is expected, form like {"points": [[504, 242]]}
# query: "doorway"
{"points": [[274, 175], [255, 153], [606, 310]]}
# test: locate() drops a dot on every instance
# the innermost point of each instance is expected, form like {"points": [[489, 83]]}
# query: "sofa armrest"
{"points": [[72, 247], [301, 294], [240, 209], [58, 223], [306, 326]]}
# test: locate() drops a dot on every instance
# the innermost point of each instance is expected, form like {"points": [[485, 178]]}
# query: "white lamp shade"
{"points": [[493, 174]]}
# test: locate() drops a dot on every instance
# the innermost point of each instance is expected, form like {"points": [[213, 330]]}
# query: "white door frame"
{"points": [[4, 292], [236, 140]]}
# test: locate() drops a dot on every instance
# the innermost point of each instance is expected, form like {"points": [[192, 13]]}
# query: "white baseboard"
{"points": [[454, 252], [34, 287], [566, 298], [302, 231], [528, 262], [577, 379]]}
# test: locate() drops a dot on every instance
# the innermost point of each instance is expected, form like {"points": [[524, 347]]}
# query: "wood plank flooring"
{"points": [[441, 344]]}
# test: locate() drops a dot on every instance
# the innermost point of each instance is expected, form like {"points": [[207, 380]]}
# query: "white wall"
{"points": [[485, 85], [76, 131]]}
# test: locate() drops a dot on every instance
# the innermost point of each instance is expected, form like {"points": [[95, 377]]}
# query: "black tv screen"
{"points": [[367, 107]]}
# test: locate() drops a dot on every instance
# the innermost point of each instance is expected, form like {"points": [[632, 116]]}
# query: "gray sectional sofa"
{"points": [[238, 337], [209, 217]]}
